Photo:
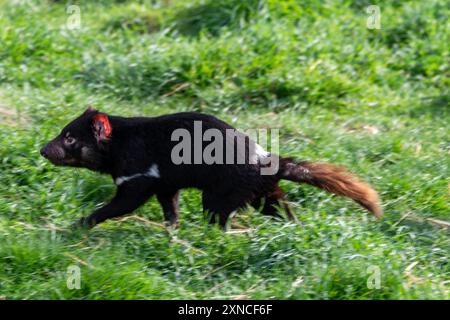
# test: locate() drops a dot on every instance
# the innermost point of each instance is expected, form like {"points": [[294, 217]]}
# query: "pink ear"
{"points": [[102, 127]]}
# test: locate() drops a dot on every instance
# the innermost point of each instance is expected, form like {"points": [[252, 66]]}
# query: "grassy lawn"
{"points": [[375, 100]]}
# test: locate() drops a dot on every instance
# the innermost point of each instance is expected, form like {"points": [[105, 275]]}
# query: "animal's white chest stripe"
{"points": [[152, 172]]}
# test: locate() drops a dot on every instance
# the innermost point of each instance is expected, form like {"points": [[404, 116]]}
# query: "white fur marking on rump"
{"points": [[259, 153], [152, 172]]}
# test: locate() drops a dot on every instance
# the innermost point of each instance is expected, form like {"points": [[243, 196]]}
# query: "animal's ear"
{"points": [[101, 127], [89, 110]]}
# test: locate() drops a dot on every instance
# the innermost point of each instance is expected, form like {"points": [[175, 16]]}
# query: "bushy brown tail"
{"points": [[333, 179]]}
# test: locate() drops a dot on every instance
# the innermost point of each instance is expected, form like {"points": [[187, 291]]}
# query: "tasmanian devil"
{"points": [[144, 156]]}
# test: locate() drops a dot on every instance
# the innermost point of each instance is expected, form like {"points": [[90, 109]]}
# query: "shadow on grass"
{"points": [[425, 232], [436, 107], [135, 19], [361, 5], [214, 15]]}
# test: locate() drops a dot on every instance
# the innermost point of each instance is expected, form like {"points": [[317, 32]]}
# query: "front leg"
{"points": [[170, 205], [129, 196]]}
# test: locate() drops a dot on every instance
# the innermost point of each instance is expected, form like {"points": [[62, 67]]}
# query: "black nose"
{"points": [[43, 152]]}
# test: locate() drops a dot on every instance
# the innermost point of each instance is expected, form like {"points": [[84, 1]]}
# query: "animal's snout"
{"points": [[53, 152], [43, 152]]}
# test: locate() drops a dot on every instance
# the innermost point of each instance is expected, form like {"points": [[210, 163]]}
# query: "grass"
{"points": [[376, 101]]}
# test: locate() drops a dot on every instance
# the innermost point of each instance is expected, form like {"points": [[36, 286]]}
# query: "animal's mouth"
{"points": [[62, 162]]}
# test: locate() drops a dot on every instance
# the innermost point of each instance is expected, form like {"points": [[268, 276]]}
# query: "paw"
{"points": [[171, 224], [84, 223]]}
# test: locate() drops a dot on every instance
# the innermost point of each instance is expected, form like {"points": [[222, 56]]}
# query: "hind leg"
{"points": [[275, 198], [270, 207], [221, 207]]}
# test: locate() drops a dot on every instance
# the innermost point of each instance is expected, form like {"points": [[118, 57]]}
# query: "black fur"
{"points": [[135, 144]]}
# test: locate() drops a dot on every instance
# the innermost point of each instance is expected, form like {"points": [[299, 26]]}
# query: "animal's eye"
{"points": [[69, 140]]}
